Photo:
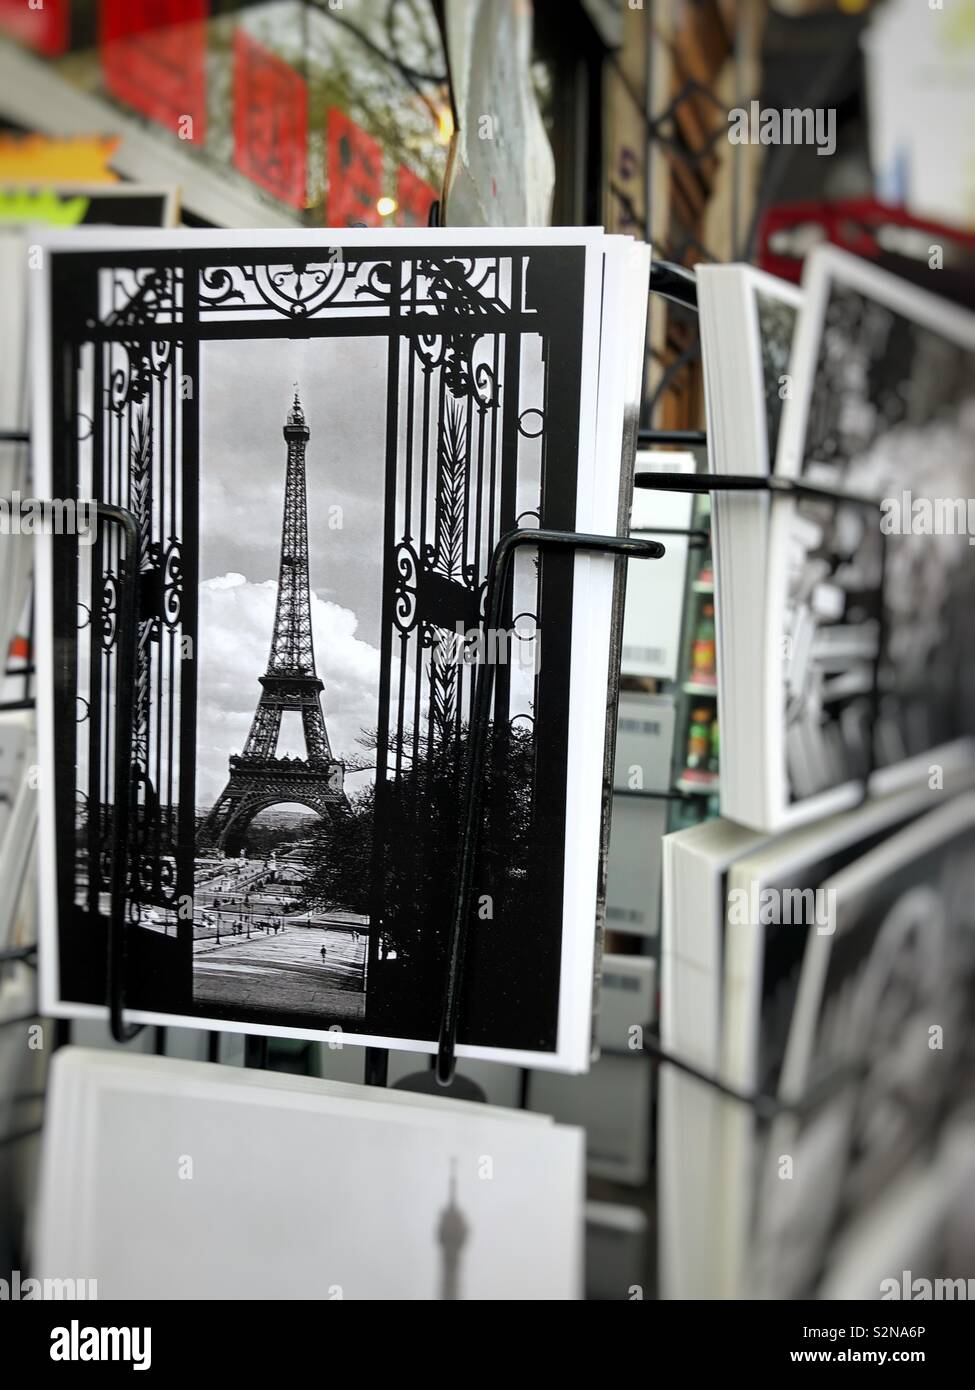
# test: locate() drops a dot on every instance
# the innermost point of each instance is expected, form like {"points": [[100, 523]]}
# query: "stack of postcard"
{"points": [[320, 438], [887, 994], [831, 667], [747, 321], [917, 1241], [256, 1185], [817, 959]]}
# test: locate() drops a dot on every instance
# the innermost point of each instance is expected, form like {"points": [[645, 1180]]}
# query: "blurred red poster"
{"points": [[44, 27], [270, 120], [153, 56], [414, 197], [355, 173]]}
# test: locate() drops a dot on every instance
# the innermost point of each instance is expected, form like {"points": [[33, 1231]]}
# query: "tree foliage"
{"points": [[401, 867]]}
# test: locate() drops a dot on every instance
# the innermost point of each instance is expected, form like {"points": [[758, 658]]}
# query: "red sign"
{"points": [[414, 197], [355, 173], [154, 59], [862, 226], [270, 120], [45, 29]]}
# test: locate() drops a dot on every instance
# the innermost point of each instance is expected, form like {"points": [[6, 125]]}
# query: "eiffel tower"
{"points": [[258, 777]]}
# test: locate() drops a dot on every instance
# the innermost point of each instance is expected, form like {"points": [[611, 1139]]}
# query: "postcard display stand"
{"points": [[670, 282], [678, 284]]}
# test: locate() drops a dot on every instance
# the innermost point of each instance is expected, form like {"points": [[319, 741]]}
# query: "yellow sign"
{"points": [[38, 159]]}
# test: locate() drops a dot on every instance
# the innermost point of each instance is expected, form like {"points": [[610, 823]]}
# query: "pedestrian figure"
{"points": [[324, 953]]}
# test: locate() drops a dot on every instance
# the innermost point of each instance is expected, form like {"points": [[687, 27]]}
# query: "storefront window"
{"points": [[329, 113]]}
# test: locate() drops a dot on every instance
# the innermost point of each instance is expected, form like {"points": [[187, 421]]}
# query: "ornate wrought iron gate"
{"points": [[484, 362]]}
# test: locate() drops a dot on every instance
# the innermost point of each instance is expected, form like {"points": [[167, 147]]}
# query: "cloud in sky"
{"points": [[247, 392], [236, 620]]}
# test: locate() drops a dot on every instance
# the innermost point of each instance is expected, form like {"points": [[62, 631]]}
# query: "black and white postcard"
{"points": [[759, 934], [779, 897], [879, 1021], [882, 407], [387, 1195], [321, 436]]}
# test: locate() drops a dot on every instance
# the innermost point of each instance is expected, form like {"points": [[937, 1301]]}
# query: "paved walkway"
{"points": [[285, 971]]}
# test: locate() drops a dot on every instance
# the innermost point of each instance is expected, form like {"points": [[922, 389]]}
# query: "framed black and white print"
{"points": [[321, 437]]}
